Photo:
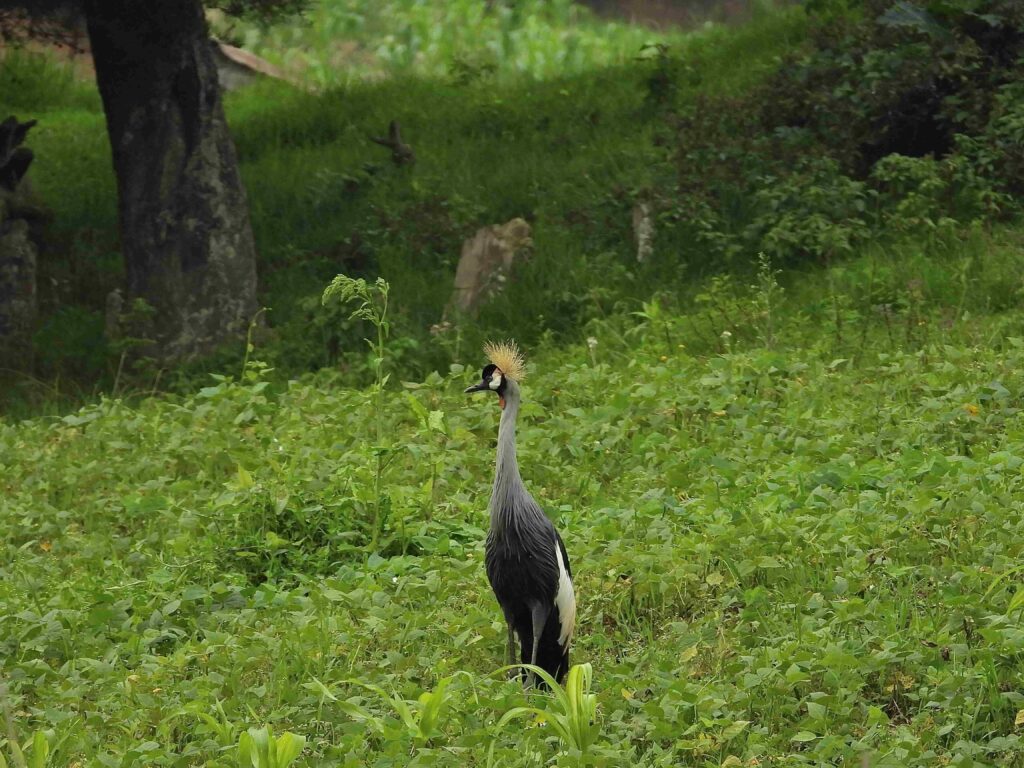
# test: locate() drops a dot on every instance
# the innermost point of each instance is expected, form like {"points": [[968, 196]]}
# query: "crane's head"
{"points": [[507, 364]]}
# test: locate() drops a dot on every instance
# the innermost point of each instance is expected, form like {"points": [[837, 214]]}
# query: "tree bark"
{"points": [[17, 293], [185, 231], [18, 252]]}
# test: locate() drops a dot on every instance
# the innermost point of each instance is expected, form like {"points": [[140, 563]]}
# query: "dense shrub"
{"points": [[894, 117]]}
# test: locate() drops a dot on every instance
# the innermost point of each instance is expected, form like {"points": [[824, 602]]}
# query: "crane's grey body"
{"points": [[527, 564]]}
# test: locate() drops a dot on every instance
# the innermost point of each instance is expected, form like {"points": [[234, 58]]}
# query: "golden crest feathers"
{"points": [[506, 355]]}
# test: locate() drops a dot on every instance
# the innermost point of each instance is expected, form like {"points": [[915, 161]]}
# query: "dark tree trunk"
{"points": [[17, 248], [185, 231]]}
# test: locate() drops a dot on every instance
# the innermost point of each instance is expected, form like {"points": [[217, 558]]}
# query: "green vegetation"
{"points": [[576, 724], [803, 548], [341, 41], [906, 119], [258, 748], [785, 452], [719, 132], [567, 154]]}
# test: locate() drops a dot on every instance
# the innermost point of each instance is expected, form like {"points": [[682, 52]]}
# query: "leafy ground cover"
{"points": [[792, 498], [799, 547], [338, 41]]}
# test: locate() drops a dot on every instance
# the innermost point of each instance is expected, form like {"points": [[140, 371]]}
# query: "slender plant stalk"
{"points": [[248, 339], [379, 415], [372, 301]]}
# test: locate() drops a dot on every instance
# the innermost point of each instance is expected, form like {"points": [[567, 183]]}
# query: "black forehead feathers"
{"points": [[488, 372]]}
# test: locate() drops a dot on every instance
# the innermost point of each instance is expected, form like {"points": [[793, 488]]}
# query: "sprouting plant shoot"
{"points": [[371, 304], [573, 710], [767, 294], [257, 748]]}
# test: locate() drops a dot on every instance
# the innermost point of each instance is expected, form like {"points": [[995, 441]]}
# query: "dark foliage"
{"points": [[905, 114], [906, 79], [55, 21], [61, 21], [264, 11]]}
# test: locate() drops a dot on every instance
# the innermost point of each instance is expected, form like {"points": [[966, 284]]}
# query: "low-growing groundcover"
{"points": [[783, 555], [794, 511]]}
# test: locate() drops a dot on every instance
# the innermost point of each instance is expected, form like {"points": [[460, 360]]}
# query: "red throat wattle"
{"points": [[501, 402]]}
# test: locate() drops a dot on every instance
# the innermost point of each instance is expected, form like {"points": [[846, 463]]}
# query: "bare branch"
{"points": [[401, 153]]}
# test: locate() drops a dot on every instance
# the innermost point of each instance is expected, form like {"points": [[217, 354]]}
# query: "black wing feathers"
{"points": [[522, 567]]}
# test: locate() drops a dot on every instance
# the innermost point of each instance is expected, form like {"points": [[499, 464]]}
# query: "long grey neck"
{"points": [[508, 493]]}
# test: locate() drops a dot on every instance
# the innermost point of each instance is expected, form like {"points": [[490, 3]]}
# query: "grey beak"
{"points": [[481, 387]]}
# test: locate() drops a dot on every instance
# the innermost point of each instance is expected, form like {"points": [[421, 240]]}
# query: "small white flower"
{"points": [[591, 342]]}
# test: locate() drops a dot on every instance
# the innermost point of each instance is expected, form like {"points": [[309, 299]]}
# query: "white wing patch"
{"points": [[565, 601]]}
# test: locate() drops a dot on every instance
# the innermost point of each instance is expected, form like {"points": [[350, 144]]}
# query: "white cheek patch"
{"points": [[495, 380]]}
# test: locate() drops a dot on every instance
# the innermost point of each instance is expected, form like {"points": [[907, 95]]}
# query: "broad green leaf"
{"points": [[436, 421], [243, 479], [432, 706], [246, 755], [417, 408], [17, 754], [289, 746], [40, 750], [261, 747], [734, 729], [410, 720]]}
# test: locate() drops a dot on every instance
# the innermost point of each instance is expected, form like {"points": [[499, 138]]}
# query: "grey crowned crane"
{"points": [[526, 561]]}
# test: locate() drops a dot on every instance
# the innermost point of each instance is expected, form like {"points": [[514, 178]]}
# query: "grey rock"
{"points": [[643, 231], [486, 262]]}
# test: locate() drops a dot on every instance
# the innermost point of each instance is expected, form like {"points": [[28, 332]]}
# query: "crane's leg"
{"points": [[510, 651], [511, 654], [539, 617]]}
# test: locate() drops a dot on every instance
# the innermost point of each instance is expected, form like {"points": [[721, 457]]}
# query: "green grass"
{"points": [[32, 82], [340, 41], [568, 153], [792, 500], [793, 548]]}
